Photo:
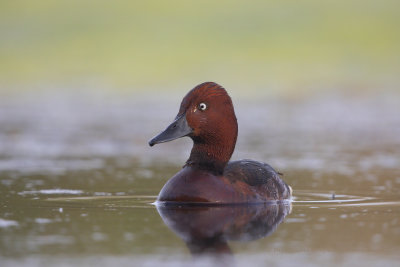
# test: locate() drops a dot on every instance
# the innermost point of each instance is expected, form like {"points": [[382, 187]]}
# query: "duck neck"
{"points": [[212, 155]]}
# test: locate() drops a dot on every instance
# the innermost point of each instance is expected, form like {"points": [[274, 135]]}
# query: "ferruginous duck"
{"points": [[206, 115]]}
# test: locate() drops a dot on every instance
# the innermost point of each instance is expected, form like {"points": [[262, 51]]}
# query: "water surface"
{"points": [[78, 184]]}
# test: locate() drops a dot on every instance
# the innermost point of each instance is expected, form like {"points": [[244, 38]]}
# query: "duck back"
{"points": [[260, 176]]}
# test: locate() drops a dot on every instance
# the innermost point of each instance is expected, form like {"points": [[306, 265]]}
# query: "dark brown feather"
{"points": [[252, 172]]}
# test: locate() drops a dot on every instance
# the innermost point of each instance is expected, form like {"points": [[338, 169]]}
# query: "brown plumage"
{"points": [[207, 116]]}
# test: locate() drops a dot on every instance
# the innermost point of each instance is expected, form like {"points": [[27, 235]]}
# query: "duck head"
{"points": [[206, 115]]}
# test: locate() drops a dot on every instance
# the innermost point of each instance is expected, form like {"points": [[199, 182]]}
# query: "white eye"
{"points": [[202, 106]]}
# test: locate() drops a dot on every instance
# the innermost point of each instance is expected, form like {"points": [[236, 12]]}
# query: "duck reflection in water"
{"points": [[206, 230]]}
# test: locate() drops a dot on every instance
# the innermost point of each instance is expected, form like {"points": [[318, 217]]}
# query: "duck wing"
{"points": [[252, 172]]}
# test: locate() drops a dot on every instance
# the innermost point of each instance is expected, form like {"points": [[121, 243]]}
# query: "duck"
{"points": [[207, 116]]}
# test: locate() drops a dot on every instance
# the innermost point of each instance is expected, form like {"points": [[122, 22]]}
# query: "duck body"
{"points": [[206, 115], [243, 181]]}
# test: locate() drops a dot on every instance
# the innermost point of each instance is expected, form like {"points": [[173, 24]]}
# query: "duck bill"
{"points": [[179, 128]]}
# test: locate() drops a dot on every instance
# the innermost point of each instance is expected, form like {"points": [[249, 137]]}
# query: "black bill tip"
{"points": [[152, 142]]}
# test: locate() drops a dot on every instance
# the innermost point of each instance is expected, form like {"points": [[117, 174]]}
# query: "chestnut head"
{"points": [[206, 115]]}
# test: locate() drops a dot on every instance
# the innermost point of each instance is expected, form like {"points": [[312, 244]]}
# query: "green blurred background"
{"points": [[279, 47]]}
